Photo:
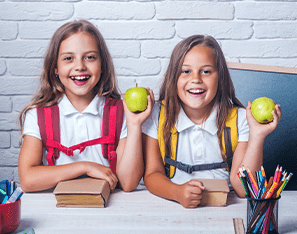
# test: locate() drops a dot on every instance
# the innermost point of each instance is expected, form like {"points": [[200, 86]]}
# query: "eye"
{"points": [[90, 57], [68, 58], [207, 72], [186, 71]]}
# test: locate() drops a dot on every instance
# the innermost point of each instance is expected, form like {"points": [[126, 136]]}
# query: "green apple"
{"points": [[262, 109], [136, 99]]}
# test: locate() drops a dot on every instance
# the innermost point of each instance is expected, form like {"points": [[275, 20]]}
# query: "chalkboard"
{"points": [[279, 84]]}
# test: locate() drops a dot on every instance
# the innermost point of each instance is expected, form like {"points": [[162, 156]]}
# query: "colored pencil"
{"points": [[276, 174], [254, 183], [264, 175]]}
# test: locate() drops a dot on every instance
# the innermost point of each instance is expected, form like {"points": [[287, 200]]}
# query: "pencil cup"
{"points": [[10, 216], [262, 216]]}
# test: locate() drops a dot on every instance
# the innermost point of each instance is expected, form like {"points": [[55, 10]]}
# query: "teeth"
{"points": [[79, 77], [196, 91]]}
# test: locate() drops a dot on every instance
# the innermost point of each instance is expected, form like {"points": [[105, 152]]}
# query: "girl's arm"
{"points": [[188, 194], [130, 164], [36, 177], [250, 154]]}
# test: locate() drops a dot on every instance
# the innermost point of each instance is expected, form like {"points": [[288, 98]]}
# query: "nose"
{"points": [[196, 77], [80, 65]]}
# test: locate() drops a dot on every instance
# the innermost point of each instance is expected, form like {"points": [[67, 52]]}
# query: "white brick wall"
{"points": [[140, 35]]}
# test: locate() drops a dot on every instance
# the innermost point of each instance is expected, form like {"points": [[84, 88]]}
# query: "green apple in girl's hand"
{"points": [[136, 99], [262, 109]]}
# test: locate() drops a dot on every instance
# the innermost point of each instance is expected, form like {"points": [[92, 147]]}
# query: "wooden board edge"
{"points": [[238, 226], [265, 68]]}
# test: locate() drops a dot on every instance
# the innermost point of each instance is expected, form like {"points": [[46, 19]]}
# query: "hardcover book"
{"points": [[82, 192]]}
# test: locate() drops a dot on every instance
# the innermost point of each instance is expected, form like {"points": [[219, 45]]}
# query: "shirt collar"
{"points": [[67, 108], [183, 122]]}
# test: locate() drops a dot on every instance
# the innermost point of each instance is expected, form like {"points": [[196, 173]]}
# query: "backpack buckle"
{"points": [[185, 167]]}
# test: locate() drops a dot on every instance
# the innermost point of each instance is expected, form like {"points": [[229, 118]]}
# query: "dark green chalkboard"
{"points": [[279, 84]]}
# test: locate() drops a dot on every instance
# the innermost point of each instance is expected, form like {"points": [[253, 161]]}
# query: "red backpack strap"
{"points": [[107, 140], [111, 107], [49, 127]]}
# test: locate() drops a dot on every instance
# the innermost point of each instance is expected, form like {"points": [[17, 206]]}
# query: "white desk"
{"points": [[142, 212]]}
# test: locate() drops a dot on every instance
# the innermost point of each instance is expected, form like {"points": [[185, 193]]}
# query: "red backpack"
{"points": [[49, 126]]}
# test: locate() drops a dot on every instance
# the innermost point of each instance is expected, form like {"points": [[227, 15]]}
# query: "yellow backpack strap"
{"points": [[230, 136], [170, 170]]}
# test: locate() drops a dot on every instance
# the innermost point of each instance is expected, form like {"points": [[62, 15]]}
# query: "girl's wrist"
{"points": [[134, 126], [83, 167], [258, 138], [177, 190]]}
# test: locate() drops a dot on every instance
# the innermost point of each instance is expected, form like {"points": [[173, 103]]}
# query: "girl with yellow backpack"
{"points": [[199, 129]]}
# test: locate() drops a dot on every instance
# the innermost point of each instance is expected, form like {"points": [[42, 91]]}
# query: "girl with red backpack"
{"points": [[75, 124]]}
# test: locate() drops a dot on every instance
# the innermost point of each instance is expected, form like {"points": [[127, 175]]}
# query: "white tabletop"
{"points": [[142, 212]]}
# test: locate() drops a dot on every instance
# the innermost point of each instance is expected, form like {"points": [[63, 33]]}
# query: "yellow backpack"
{"points": [[229, 139]]}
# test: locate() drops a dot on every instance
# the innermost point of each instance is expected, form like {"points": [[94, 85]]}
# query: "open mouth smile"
{"points": [[196, 92], [80, 80]]}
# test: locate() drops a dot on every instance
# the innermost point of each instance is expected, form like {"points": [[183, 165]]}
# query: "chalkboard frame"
{"points": [[263, 68]]}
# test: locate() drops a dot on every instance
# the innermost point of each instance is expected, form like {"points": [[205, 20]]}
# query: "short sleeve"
{"points": [[31, 127], [150, 126], [243, 127]]}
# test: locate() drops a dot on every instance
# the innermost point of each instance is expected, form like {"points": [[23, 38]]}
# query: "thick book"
{"points": [[82, 192], [215, 193]]}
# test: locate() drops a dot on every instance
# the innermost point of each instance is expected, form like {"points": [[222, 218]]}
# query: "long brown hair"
{"points": [[225, 97], [51, 89]]}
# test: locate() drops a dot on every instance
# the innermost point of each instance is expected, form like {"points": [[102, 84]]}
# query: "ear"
{"points": [[56, 71]]}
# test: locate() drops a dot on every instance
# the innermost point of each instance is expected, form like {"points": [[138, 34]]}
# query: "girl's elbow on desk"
{"points": [[25, 181], [31, 185], [129, 184], [239, 192], [129, 181], [27, 185], [128, 187], [32, 182]]}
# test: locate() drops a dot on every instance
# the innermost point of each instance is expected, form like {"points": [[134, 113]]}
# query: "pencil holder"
{"points": [[262, 216], [10, 216]]}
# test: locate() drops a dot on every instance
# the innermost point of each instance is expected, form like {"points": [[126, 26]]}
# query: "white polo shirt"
{"points": [[76, 128], [197, 144]]}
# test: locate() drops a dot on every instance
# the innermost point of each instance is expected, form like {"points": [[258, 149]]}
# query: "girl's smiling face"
{"points": [[198, 82], [79, 66]]}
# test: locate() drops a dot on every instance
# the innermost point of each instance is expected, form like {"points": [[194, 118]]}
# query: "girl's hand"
{"points": [[139, 118], [263, 129], [99, 171], [191, 194]]}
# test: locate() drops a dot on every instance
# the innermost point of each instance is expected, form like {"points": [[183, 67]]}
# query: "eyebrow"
{"points": [[91, 51], [185, 65]]}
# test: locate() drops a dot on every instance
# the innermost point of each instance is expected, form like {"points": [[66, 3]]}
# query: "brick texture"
{"points": [[140, 36]]}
